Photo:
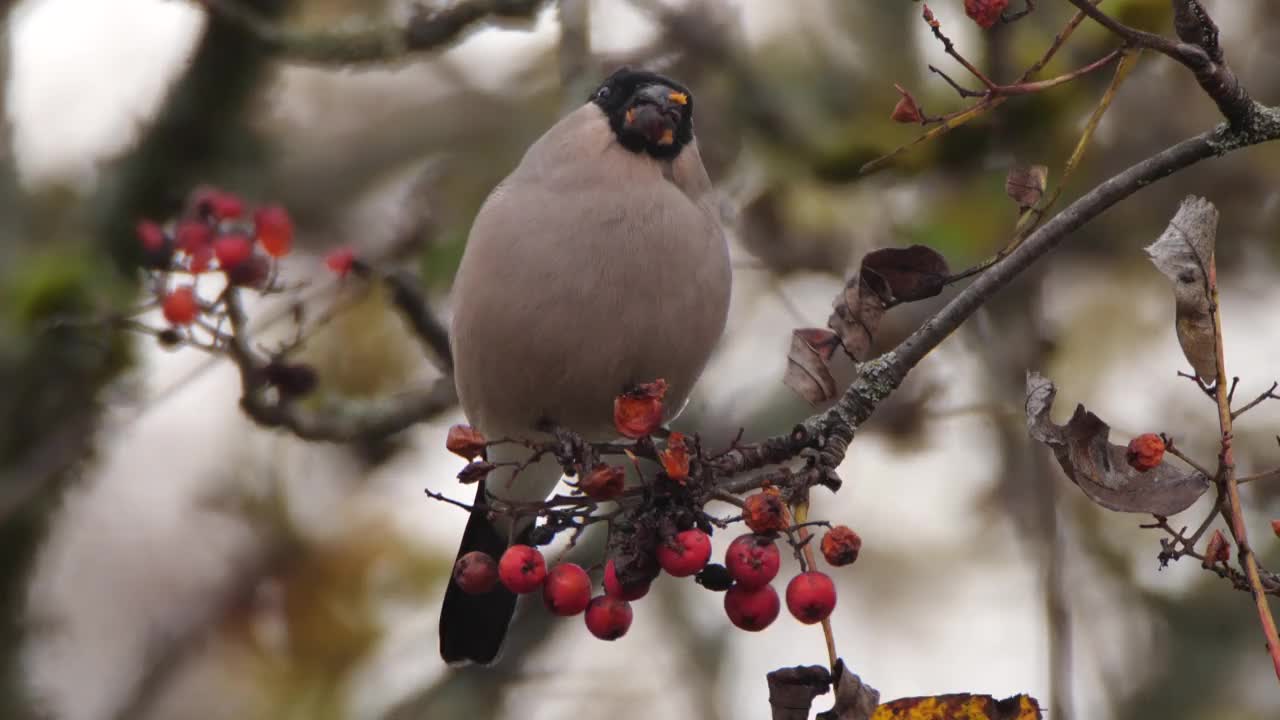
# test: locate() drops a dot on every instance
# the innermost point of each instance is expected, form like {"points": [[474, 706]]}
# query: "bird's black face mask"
{"points": [[648, 112]]}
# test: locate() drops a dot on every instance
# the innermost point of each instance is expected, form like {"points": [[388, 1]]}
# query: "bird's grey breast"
{"points": [[587, 269]]}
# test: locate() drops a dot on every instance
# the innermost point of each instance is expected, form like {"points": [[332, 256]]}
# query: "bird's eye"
{"points": [[603, 93]]}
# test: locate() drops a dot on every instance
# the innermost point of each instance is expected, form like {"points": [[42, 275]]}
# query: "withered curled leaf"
{"points": [[1026, 184], [1184, 253], [808, 364], [887, 277], [1100, 468]]}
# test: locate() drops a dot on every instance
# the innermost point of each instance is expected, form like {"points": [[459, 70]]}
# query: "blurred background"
{"points": [[162, 557]]}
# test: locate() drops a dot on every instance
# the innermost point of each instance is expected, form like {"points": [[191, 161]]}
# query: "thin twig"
{"points": [[1227, 475]]}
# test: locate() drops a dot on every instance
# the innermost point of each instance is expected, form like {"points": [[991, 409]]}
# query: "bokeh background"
{"points": [[161, 557]]}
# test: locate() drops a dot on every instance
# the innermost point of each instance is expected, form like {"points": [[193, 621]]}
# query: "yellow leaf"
{"points": [[960, 706]]}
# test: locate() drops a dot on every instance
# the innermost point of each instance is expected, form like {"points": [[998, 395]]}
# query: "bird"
{"points": [[596, 265]]}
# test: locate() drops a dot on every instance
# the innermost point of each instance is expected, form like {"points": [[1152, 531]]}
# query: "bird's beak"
{"points": [[656, 111]]}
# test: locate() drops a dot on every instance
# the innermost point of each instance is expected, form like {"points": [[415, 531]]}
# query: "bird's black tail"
{"points": [[472, 627]]}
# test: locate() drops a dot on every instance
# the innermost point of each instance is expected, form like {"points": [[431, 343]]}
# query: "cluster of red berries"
{"points": [[217, 233], [751, 563]]}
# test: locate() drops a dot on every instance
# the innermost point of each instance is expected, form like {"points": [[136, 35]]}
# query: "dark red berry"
{"points": [[751, 609], [604, 482], [613, 588], [476, 572], [753, 560], [608, 618], [157, 249], [522, 569], [212, 203], [194, 237], [811, 597], [567, 589], [715, 578], [684, 554]]}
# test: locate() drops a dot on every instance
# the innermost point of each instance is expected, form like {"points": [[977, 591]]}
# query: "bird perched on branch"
{"points": [[597, 264]]}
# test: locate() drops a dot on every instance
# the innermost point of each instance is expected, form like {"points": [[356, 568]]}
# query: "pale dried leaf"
{"points": [[855, 700], [1026, 184], [809, 364], [1099, 468], [1184, 253]]}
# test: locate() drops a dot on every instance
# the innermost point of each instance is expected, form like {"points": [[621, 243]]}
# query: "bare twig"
{"points": [[1270, 394]]}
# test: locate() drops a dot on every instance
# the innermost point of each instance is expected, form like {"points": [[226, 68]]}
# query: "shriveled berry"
{"points": [[614, 588], [714, 577], [604, 482], [685, 553], [522, 569], [752, 609], [811, 597], [567, 589], [907, 110], [675, 458], [181, 307], [476, 572], [841, 545], [290, 379], [608, 617], [1145, 452], [753, 560], [465, 441], [475, 471], [232, 250], [274, 229], [340, 261], [764, 512], [638, 413]]}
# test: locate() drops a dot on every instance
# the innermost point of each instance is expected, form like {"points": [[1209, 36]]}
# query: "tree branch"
{"points": [[425, 31], [830, 432]]}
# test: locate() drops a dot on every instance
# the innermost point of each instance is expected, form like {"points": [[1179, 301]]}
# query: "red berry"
{"points": [[275, 230], [200, 260], [151, 236], [217, 204], [841, 545], [1145, 452], [751, 609], [567, 589], [194, 236], [522, 569], [180, 307], [604, 482], [465, 441], [765, 512], [232, 251], [684, 554], [811, 597], [753, 560], [608, 618], [613, 588], [476, 572], [340, 261]]}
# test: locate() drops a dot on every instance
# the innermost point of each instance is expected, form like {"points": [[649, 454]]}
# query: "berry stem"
{"points": [[800, 511]]}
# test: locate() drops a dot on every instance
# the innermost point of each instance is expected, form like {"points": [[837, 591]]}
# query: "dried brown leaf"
{"points": [[809, 364], [1026, 184], [1100, 468], [1184, 253], [886, 277]]}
